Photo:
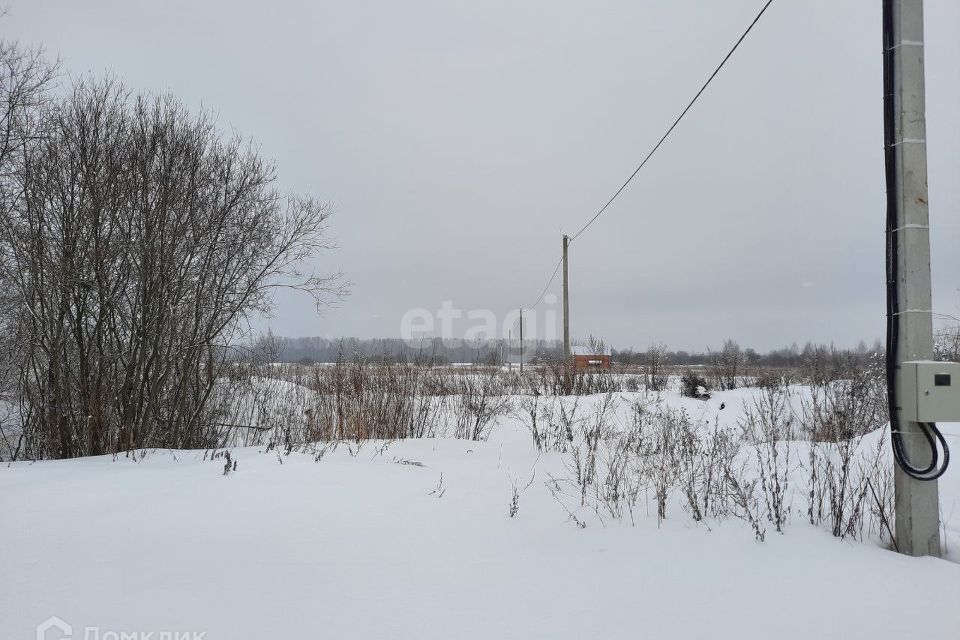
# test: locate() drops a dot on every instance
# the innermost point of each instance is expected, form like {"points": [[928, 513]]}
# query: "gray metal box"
{"points": [[930, 391]]}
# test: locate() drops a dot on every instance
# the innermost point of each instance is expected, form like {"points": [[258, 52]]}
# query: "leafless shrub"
{"points": [[656, 364], [621, 484], [689, 462], [478, 405], [721, 447], [584, 449], [822, 365], [229, 463], [848, 408], [360, 400], [686, 457], [742, 492], [516, 491], [745, 472], [558, 376], [556, 490], [658, 464], [566, 421], [768, 425], [880, 484], [727, 365], [841, 470], [770, 378], [631, 383], [528, 412]]}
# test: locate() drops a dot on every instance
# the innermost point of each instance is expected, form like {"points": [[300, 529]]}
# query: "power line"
{"points": [[549, 282], [654, 150], [675, 122]]}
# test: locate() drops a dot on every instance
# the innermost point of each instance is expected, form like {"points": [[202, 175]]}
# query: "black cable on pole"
{"points": [[549, 282], [675, 122], [928, 431]]}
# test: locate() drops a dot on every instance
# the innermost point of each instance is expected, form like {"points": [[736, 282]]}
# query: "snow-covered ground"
{"points": [[413, 540]]}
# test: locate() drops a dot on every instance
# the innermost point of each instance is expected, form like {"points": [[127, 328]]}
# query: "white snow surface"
{"points": [[364, 545]]}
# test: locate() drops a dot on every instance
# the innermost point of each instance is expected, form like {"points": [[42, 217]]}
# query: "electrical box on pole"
{"points": [[930, 391]]}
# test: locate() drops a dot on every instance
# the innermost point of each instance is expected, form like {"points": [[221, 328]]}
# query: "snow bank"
{"points": [[370, 544]]}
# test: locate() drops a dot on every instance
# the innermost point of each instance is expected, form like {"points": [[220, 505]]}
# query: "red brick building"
{"points": [[584, 359]]}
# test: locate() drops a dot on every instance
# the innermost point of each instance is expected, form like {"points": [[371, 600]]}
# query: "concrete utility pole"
{"points": [[521, 341], [908, 256], [566, 301]]}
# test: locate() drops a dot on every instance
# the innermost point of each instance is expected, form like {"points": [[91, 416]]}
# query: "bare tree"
{"points": [[727, 365], [26, 80], [656, 358], [597, 345], [141, 244], [947, 342]]}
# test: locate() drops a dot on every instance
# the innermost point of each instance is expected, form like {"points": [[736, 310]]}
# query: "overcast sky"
{"points": [[457, 139]]}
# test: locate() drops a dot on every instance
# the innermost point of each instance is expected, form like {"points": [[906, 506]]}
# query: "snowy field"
{"points": [[413, 539]]}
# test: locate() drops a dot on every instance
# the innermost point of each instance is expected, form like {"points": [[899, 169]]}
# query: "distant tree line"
{"points": [[311, 350], [324, 350], [792, 356]]}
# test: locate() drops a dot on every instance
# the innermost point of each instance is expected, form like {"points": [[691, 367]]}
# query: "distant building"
{"points": [[584, 359]]}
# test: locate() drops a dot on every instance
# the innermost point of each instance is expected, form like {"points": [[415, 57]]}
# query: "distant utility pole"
{"points": [[521, 340], [910, 318], [566, 301]]}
